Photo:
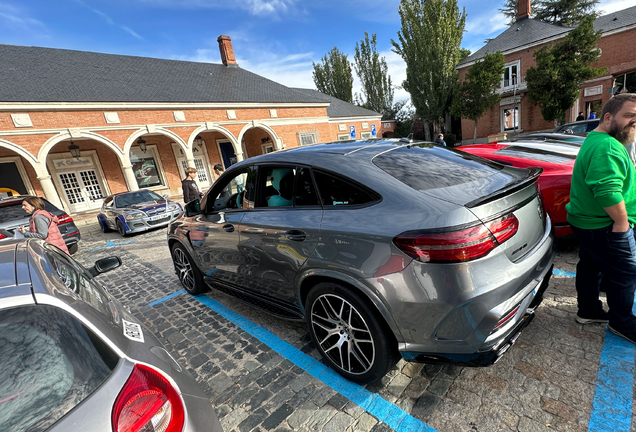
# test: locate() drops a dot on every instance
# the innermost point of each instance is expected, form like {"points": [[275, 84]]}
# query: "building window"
{"points": [[511, 75], [307, 138], [267, 148], [625, 83], [366, 135], [510, 119], [344, 137], [145, 167]]}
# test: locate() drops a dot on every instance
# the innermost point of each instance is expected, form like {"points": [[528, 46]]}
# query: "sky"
{"points": [[277, 39]]}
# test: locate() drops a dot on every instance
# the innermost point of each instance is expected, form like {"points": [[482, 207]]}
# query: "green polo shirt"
{"points": [[603, 176]]}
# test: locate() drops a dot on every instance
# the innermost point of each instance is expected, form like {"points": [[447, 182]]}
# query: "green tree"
{"points": [[429, 42], [561, 12], [565, 12], [333, 76], [554, 84], [373, 73], [478, 92], [464, 53]]}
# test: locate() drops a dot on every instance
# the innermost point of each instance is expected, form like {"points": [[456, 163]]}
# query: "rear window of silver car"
{"points": [[426, 166], [50, 363], [13, 211]]}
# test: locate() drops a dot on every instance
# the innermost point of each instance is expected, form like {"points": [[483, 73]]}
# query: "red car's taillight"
{"points": [[64, 218], [458, 246], [2, 236], [149, 403]]}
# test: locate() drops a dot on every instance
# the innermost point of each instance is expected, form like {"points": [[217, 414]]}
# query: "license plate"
{"points": [[164, 216]]}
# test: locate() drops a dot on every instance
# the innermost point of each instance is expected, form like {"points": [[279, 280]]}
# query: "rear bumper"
{"points": [[492, 354]]}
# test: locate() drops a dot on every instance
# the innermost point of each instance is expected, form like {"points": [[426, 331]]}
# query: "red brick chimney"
{"points": [[227, 52], [523, 9]]}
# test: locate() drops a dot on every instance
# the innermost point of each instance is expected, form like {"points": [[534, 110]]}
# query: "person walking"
{"points": [[602, 213], [42, 224], [440, 140], [218, 170], [592, 115], [189, 186], [580, 117]]}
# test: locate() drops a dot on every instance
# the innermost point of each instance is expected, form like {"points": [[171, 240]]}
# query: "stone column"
{"points": [[129, 175], [49, 190]]}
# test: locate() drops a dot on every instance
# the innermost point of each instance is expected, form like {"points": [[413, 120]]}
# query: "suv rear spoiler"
{"points": [[532, 177]]}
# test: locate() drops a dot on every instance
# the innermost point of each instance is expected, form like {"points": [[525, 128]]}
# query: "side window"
{"points": [[108, 202], [305, 191], [276, 186], [237, 192], [336, 191]]}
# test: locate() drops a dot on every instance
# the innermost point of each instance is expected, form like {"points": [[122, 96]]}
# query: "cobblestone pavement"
{"points": [[546, 381]]}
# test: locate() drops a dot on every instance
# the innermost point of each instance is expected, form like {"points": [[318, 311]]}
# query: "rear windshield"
{"points": [[536, 154], [12, 211], [50, 363], [426, 166]]}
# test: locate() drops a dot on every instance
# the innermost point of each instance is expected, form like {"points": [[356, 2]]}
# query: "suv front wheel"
{"points": [[351, 338]]}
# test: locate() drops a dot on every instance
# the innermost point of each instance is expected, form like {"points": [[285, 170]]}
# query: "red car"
{"points": [[557, 160]]}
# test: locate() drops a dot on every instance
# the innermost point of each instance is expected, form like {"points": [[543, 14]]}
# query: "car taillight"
{"points": [[2, 236], [148, 403], [64, 218], [458, 246]]}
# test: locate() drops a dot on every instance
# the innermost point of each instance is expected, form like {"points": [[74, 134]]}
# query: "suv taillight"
{"points": [[2, 236], [148, 403], [64, 218], [458, 246]]}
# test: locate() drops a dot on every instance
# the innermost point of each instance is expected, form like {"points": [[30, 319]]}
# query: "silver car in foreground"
{"points": [[382, 248], [137, 211], [74, 360]]}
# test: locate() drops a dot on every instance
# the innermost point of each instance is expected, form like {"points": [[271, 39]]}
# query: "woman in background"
{"points": [[42, 225]]}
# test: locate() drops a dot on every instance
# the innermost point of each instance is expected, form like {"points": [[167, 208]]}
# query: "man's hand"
{"points": [[619, 215]]}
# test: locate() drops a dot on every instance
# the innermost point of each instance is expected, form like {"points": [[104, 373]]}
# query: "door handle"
{"points": [[296, 235], [253, 231], [228, 227]]}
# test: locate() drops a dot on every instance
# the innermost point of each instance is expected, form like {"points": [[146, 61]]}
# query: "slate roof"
{"points": [[339, 108], [33, 74], [530, 31]]}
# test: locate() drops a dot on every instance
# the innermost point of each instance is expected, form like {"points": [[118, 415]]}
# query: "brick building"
{"points": [[139, 122], [515, 112]]}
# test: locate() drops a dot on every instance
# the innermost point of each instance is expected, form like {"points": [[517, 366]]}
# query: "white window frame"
{"points": [[160, 170], [502, 116], [23, 172], [344, 137], [510, 84], [365, 135], [267, 148], [310, 135]]}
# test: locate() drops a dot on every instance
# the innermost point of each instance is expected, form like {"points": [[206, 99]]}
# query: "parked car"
{"points": [[12, 216], [549, 136], [73, 359], [556, 158], [581, 127], [383, 249], [138, 211]]}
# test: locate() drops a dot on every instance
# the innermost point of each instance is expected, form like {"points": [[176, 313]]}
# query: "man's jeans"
{"points": [[610, 257]]}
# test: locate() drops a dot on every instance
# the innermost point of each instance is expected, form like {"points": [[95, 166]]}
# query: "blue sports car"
{"points": [[138, 211]]}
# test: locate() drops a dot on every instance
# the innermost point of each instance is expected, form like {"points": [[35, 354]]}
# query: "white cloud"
{"points": [[486, 23], [253, 7], [609, 6], [109, 20], [11, 16]]}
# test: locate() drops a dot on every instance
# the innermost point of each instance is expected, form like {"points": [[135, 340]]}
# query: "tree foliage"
{"points": [[565, 12], [554, 84], [333, 76], [478, 92], [561, 12], [429, 42], [373, 73]]}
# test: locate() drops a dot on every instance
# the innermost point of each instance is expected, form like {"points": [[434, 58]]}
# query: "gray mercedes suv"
{"points": [[383, 249]]}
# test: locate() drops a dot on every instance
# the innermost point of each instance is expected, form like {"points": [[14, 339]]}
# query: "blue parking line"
{"points": [[563, 273], [111, 244], [383, 410], [166, 298]]}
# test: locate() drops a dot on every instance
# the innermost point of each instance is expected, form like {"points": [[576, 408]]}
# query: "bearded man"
{"points": [[602, 213]]}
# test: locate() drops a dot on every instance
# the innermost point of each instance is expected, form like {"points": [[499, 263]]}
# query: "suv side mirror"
{"points": [[193, 208], [104, 265]]}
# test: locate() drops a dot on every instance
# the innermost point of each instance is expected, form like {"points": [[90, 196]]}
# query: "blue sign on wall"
{"points": [[372, 130], [352, 131]]}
